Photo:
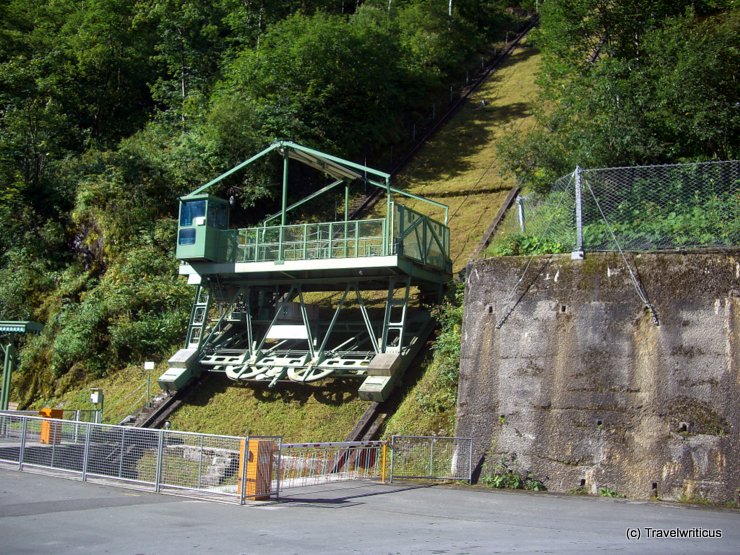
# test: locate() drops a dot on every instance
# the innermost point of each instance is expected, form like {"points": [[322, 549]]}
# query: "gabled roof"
{"points": [[338, 168]]}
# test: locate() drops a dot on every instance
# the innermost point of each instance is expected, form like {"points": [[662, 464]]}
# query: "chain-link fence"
{"points": [[644, 208], [431, 457]]}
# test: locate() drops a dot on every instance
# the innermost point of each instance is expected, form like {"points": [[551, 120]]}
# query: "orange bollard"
{"points": [[51, 432]]}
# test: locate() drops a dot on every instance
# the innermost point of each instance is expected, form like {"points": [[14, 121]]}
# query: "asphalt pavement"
{"points": [[45, 514]]}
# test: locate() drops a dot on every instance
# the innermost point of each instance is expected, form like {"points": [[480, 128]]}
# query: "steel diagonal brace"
{"points": [[304, 315], [258, 351], [217, 325], [319, 356], [368, 323]]}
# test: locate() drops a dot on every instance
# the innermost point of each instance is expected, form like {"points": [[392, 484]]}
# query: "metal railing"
{"points": [[643, 208], [421, 238], [409, 233], [77, 415], [431, 458], [224, 467], [230, 468], [314, 241]]}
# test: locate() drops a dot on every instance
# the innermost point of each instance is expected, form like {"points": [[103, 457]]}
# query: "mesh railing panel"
{"points": [[11, 432], [314, 464], [314, 241], [431, 458], [643, 208], [420, 237], [201, 462]]}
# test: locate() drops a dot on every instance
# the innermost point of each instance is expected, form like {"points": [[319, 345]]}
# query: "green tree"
{"points": [[661, 89]]}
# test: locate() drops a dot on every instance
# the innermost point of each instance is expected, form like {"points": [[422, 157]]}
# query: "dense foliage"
{"points": [[111, 109], [632, 82]]}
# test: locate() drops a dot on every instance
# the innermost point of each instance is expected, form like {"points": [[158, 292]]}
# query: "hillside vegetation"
{"points": [[111, 110], [631, 83]]}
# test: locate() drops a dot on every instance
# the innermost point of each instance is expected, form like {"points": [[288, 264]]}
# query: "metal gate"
{"points": [[229, 468], [309, 464], [431, 458]]}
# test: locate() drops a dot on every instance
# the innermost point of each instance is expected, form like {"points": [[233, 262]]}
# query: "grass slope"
{"points": [[461, 168], [458, 167]]}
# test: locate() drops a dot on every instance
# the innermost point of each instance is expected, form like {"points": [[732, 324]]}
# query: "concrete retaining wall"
{"points": [[580, 388]]}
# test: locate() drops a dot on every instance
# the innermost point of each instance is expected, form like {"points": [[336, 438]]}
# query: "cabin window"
{"points": [[190, 210], [186, 236], [218, 215]]}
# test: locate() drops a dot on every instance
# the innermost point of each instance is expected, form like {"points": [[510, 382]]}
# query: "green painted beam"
{"points": [[413, 196], [236, 168], [9, 363], [305, 200], [335, 159]]}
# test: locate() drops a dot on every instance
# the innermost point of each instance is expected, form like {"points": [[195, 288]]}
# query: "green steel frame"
{"points": [[250, 319]]}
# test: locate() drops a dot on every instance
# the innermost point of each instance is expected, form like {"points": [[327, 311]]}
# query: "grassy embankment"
{"points": [[458, 167]]}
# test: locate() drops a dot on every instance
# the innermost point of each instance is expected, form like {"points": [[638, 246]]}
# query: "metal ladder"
{"points": [[198, 318], [398, 326]]}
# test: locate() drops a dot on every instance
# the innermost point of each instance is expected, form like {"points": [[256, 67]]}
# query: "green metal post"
{"points": [[284, 206], [7, 372], [305, 241], [357, 238], [387, 215], [346, 218], [346, 201], [285, 187]]}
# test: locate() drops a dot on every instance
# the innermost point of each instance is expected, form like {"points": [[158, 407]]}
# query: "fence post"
{"points": [[160, 456], [577, 254], [54, 444], [520, 211], [244, 462], [86, 452], [393, 451], [431, 459], [77, 426], [470, 461], [279, 468], [120, 459], [21, 451], [200, 463]]}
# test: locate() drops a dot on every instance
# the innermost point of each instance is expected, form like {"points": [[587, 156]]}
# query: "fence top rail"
{"points": [[684, 165], [100, 425], [333, 444], [36, 413], [434, 437], [276, 228]]}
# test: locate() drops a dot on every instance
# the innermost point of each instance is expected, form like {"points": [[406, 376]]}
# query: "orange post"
{"points": [[51, 432], [382, 467], [258, 456]]}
